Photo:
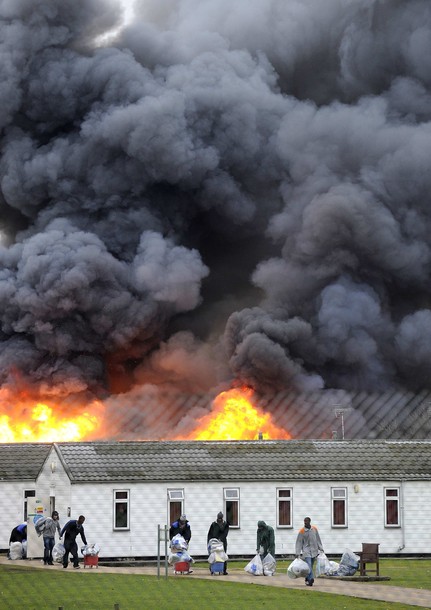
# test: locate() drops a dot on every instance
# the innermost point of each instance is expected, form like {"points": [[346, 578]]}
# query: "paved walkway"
{"points": [[365, 590]]}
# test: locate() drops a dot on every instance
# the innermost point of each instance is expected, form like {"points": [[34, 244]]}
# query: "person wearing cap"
{"points": [[219, 529], [181, 526], [47, 527]]}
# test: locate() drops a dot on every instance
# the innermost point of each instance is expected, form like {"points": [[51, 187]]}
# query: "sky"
{"points": [[218, 193]]}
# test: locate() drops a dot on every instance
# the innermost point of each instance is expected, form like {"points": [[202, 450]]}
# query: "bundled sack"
{"points": [[333, 568], [58, 551], [298, 569], [322, 566], [178, 543], [215, 545], [255, 566], [218, 556], [16, 550], [269, 564], [348, 565], [174, 558], [90, 549], [39, 525]]}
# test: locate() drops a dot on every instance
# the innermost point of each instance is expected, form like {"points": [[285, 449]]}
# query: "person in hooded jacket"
{"points": [[265, 542], [219, 529]]}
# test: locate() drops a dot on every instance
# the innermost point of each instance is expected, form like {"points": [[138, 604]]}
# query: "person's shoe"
{"points": [[189, 572], [64, 567], [50, 563], [77, 567], [225, 573]]}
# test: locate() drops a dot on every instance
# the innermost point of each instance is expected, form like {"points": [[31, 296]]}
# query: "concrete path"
{"points": [[365, 590]]}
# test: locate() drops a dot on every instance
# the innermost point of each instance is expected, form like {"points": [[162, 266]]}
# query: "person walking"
{"points": [[308, 545], [265, 542], [47, 526], [219, 529], [71, 530]]}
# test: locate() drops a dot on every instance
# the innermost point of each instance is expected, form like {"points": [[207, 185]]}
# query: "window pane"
{"points": [[121, 514], [284, 493], [284, 512], [121, 495], [392, 512], [232, 515], [339, 513], [392, 492], [175, 510]]}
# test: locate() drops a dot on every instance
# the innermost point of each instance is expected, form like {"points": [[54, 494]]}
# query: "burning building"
{"points": [[215, 196]]}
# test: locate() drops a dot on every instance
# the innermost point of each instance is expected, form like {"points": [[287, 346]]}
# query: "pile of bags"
{"points": [[261, 567], [178, 551], [324, 567]]}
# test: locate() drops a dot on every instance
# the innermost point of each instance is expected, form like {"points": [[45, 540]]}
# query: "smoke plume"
{"points": [[220, 192]]}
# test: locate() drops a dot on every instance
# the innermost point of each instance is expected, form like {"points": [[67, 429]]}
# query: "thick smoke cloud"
{"points": [[218, 193]]}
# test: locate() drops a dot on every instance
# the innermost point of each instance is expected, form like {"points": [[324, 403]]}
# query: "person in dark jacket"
{"points": [[70, 531], [265, 542], [219, 529], [19, 533], [181, 526]]}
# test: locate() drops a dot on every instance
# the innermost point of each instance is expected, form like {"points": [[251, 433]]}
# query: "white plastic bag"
{"points": [[349, 558], [215, 545], [322, 566], [90, 549], [333, 568], [255, 566], [15, 550], [58, 551], [298, 568], [178, 543], [269, 565]]}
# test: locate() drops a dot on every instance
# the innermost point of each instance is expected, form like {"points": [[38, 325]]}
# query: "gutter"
{"points": [[403, 533]]}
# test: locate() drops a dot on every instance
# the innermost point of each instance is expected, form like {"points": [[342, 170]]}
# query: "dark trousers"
{"points": [[48, 545], [72, 548]]}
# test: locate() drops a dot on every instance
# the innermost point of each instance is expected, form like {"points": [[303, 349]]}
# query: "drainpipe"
{"points": [[403, 533]]}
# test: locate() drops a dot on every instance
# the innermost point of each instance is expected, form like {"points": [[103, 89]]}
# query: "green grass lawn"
{"points": [[25, 588]]}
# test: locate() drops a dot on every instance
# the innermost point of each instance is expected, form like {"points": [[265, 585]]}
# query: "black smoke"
{"points": [[220, 192]]}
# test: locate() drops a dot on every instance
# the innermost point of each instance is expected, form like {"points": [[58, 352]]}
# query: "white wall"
{"points": [[12, 507], [148, 508], [203, 500]]}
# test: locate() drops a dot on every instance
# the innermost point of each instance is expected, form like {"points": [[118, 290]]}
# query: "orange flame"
{"points": [[30, 421], [234, 417]]}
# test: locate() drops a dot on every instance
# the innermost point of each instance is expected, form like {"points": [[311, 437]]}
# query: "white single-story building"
{"points": [[354, 491]]}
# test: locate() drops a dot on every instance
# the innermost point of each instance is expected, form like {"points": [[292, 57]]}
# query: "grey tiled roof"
{"points": [[22, 461], [246, 460]]}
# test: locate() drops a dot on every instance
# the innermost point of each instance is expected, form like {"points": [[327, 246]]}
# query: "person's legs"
{"points": [[309, 579], [66, 554], [51, 542], [74, 553], [45, 550]]}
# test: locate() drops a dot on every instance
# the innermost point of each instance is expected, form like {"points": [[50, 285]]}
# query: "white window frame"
{"points": [[231, 494], [284, 499], [337, 494], [27, 493], [126, 501], [175, 495], [396, 499]]}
